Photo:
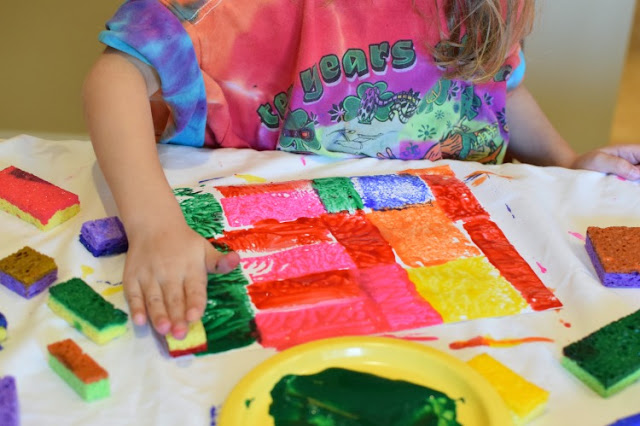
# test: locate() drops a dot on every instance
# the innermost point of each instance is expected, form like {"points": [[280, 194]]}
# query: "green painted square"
{"points": [[228, 318], [338, 194]]}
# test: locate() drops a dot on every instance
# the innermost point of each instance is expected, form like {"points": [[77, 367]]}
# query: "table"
{"points": [[543, 211]]}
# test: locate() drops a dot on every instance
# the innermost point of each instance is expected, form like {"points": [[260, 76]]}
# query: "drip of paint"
{"points": [[213, 415], [542, 268], [495, 343], [251, 178], [304, 161], [412, 338], [565, 323], [509, 209], [112, 290], [86, 271], [577, 235]]}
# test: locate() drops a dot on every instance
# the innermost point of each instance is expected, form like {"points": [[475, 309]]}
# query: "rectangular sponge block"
{"points": [[607, 360], [79, 370], [525, 400], [27, 272], [615, 255], [9, 409], [35, 200], [195, 341], [87, 310]]}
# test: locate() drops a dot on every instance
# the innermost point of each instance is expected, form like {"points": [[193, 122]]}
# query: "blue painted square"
{"points": [[382, 192]]}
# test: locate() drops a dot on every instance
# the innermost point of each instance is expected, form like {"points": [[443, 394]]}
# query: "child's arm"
{"points": [[534, 140], [167, 262]]}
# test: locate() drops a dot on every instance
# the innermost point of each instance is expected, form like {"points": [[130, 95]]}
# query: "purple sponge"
{"points": [[615, 255], [104, 236], [9, 414]]}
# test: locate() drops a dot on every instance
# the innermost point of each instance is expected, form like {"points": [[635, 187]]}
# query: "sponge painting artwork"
{"points": [[355, 256]]}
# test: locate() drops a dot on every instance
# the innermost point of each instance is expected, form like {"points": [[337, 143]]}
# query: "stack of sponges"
{"points": [[195, 341], [103, 237], [87, 311], [9, 409], [27, 272], [525, 400], [35, 200], [608, 359], [615, 255], [79, 370]]}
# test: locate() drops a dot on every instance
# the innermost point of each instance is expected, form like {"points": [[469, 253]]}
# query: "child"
{"points": [[383, 78]]}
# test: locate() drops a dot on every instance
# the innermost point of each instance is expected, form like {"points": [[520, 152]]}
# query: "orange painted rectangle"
{"points": [[454, 197], [69, 354], [242, 190], [423, 235]]}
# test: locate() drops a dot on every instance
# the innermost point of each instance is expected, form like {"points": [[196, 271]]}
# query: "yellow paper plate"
{"points": [[477, 403]]}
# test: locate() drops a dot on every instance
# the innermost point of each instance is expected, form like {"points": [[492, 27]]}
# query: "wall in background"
{"points": [[575, 59], [46, 49]]}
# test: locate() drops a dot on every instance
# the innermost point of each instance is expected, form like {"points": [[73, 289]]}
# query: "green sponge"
{"points": [[87, 311], [607, 360]]}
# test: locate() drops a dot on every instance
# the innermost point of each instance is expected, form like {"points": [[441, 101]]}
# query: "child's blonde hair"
{"points": [[481, 33]]}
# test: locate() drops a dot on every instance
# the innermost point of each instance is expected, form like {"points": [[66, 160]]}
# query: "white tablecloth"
{"points": [[542, 211]]}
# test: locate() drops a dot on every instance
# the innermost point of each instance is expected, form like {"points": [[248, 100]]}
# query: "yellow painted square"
{"points": [[465, 289]]}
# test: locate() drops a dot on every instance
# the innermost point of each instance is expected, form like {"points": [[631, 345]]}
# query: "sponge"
{"points": [[195, 341], [104, 236], [9, 410], [607, 360], [79, 370], [35, 200], [27, 272], [628, 421], [615, 255], [87, 311], [525, 400]]}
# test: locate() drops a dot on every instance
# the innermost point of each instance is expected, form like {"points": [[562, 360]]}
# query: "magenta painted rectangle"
{"points": [[350, 317], [296, 262], [281, 206], [396, 297]]}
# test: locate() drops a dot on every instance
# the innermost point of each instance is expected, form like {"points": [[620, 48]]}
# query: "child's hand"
{"points": [[165, 275], [621, 160]]}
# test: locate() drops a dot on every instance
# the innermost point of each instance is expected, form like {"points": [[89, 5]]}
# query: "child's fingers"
{"points": [[220, 263], [135, 300], [173, 292], [608, 163], [195, 290], [155, 305]]}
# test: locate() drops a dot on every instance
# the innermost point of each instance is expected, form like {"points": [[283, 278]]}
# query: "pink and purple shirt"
{"points": [[347, 78]]}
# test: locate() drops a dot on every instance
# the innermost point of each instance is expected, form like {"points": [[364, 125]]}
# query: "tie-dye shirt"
{"points": [[344, 78]]}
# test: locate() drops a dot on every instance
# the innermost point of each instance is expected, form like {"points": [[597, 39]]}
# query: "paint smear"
{"points": [[304, 161], [423, 235], [565, 323], [112, 290], [86, 271], [509, 209], [251, 178], [542, 268], [482, 175], [578, 236], [411, 338], [496, 343], [244, 190]]}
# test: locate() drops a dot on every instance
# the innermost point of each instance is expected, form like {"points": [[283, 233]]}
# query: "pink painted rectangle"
{"points": [[396, 296], [296, 262], [351, 317], [281, 206]]}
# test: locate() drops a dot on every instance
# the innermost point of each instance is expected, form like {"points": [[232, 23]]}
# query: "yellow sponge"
{"points": [[195, 341], [525, 400]]}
